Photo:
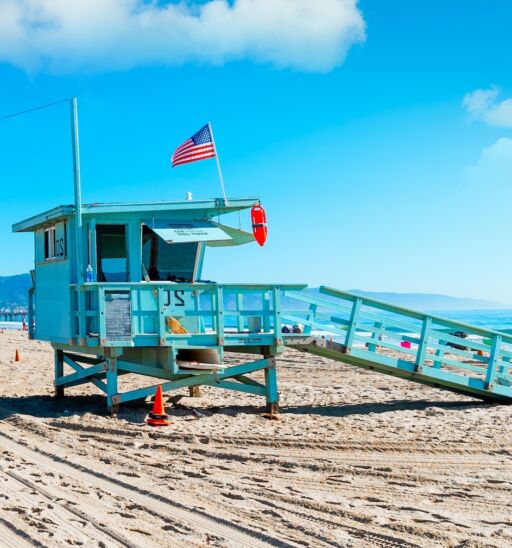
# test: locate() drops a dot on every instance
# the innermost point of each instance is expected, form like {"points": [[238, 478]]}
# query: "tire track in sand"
{"points": [[65, 515], [10, 537], [233, 533], [419, 453]]}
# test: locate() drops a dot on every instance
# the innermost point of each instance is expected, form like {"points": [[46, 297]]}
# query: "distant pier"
{"points": [[13, 316]]}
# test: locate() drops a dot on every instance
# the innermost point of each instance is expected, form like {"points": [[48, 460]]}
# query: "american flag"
{"points": [[199, 147]]}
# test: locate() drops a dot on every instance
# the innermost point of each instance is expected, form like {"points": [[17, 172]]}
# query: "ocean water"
{"points": [[10, 325], [498, 320]]}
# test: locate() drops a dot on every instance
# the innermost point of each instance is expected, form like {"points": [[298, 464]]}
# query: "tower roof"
{"points": [[186, 209]]}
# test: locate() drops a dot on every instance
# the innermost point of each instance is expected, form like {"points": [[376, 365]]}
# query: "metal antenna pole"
{"points": [[78, 218], [78, 193], [218, 164], [76, 176]]}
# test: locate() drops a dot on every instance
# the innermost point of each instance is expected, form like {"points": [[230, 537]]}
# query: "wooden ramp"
{"points": [[401, 342]]}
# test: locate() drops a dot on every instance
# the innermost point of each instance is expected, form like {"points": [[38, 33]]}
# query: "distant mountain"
{"points": [[431, 301], [14, 290], [422, 302]]}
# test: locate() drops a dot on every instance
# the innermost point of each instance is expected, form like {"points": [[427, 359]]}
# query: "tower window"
{"points": [[49, 243]]}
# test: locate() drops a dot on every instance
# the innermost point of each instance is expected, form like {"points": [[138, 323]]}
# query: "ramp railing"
{"points": [[400, 341]]}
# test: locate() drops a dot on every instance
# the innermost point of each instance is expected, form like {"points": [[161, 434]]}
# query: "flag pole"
{"points": [[218, 164]]}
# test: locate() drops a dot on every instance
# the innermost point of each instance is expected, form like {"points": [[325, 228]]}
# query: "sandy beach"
{"points": [[356, 459]]}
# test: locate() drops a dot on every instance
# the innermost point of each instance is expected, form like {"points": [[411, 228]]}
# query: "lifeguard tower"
{"points": [[118, 290], [143, 308]]}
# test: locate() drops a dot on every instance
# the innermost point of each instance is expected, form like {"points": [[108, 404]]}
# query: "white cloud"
{"points": [[482, 104], [494, 166], [67, 35]]}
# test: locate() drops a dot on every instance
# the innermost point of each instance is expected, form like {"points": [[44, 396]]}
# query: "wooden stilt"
{"points": [[59, 372], [194, 391]]}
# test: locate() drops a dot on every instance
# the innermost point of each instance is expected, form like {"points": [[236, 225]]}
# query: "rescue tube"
{"points": [[259, 224]]}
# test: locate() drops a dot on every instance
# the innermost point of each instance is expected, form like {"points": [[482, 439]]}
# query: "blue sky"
{"points": [[378, 135]]}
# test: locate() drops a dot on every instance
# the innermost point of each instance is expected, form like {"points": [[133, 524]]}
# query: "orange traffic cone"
{"points": [[158, 416], [17, 357]]}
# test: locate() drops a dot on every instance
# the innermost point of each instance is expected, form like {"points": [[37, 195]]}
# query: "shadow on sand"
{"points": [[49, 407], [45, 406], [381, 407]]}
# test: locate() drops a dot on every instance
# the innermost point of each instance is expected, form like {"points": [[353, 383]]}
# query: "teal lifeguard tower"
{"points": [[143, 307], [118, 289]]}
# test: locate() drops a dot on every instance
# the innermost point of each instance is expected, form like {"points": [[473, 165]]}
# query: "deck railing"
{"points": [[377, 332], [180, 314]]}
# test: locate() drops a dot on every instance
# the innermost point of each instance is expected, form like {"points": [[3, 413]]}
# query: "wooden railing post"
{"points": [[313, 307], [162, 327], [101, 315], [276, 302], [502, 368], [372, 346], [266, 311], [493, 362], [219, 314], [423, 344], [239, 307], [81, 316], [354, 316], [438, 361]]}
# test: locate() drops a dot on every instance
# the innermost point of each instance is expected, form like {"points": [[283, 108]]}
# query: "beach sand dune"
{"points": [[357, 459]]}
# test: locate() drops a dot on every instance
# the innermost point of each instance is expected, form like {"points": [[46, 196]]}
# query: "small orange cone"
{"points": [[17, 357], [158, 416]]}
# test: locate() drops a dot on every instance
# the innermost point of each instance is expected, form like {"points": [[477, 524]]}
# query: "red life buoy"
{"points": [[259, 224]]}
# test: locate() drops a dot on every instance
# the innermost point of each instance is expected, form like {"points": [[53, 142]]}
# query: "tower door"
{"points": [[112, 253]]}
